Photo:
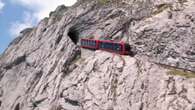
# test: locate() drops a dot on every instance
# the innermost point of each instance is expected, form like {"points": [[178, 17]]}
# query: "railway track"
{"points": [[174, 67]]}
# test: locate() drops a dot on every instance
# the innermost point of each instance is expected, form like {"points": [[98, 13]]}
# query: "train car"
{"points": [[120, 48], [89, 43], [106, 45]]}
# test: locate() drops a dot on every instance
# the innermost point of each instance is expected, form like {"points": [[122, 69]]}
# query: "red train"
{"points": [[120, 48]]}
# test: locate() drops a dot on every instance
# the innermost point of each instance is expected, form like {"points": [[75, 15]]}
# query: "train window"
{"points": [[102, 45], [107, 45], [86, 43], [89, 42], [110, 45], [94, 43], [117, 47], [82, 43]]}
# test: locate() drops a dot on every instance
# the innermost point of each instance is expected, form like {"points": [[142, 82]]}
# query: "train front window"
{"points": [[117, 47]]}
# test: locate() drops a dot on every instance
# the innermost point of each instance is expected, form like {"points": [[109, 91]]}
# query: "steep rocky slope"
{"points": [[43, 69]]}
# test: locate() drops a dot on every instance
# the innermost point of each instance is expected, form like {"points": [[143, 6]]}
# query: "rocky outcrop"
{"points": [[114, 82], [170, 28], [44, 68]]}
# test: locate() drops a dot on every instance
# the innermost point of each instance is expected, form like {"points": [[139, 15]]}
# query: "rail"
{"points": [[175, 67]]}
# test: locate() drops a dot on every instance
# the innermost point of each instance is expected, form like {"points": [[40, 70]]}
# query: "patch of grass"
{"points": [[76, 59], [181, 73], [161, 8], [182, 1], [103, 2]]}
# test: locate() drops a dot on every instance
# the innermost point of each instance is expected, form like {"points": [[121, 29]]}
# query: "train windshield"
{"points": [[110, 46], [117, 47]]}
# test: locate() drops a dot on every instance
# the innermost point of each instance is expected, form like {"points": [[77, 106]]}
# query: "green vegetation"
{"points": [[76, 59], [161, 8], [182, 1], [90, 37], [181, 73], [103, 2]]}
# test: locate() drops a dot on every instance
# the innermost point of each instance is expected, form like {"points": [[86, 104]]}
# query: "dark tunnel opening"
{"points": [[17, 107], [74, 35]]}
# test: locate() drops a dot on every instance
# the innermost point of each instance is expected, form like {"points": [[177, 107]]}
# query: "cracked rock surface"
{"points": [[113, 82], [43, 68]]}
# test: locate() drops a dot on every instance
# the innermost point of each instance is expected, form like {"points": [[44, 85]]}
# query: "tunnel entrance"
{"points": [[17, 107], [74, 35]]}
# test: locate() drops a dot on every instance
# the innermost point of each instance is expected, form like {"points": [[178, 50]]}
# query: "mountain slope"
{"points": [[44, 68]]}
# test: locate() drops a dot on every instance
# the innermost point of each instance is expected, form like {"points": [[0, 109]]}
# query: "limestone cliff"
{"points": [[45, 69]]}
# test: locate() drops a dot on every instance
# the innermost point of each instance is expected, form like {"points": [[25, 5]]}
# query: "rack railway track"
{"points": [[174, 67]]}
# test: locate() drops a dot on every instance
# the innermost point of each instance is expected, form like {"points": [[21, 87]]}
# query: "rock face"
{"points": [[43, 68]]}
